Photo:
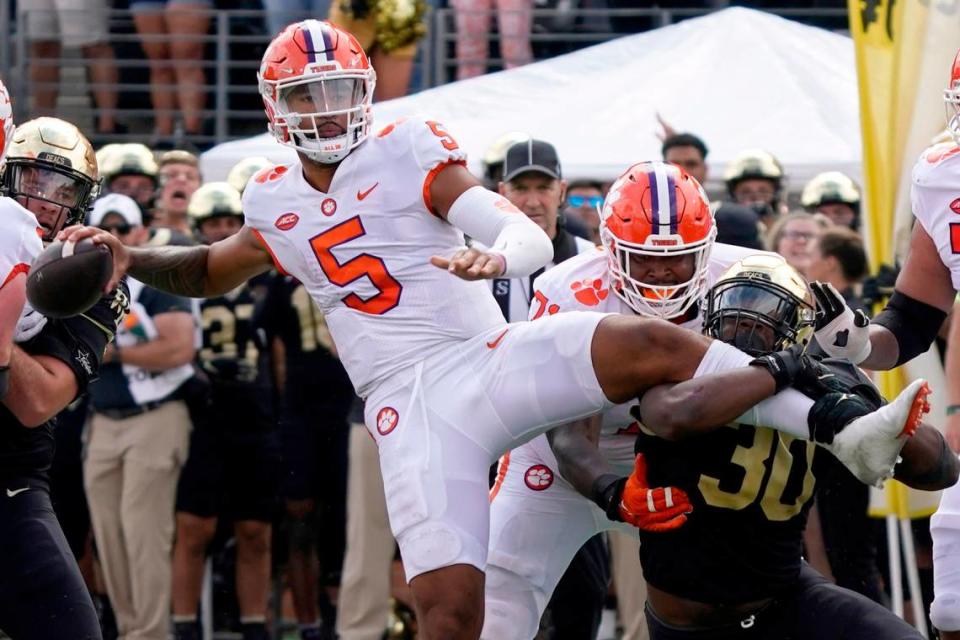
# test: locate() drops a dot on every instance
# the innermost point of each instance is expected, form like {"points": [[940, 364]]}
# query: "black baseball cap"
{"points": [[531, 155]]}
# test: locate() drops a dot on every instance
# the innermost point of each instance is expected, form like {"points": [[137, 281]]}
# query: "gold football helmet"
{"points": [[753, 164], [241, 172], [760, 304], [131, 158], [830, 187], [212, 200], [51, 169]]}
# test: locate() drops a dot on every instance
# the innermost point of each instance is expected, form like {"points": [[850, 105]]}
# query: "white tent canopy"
{"points": [[738, 78]]}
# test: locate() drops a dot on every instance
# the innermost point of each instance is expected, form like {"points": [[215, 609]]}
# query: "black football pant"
{"points": [[815, 609], [42, 596]]}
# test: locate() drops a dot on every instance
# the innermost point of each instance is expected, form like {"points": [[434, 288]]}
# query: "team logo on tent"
{"points": [[538, 477]]}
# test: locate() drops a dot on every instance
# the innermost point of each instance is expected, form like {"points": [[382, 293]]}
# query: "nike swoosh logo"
{"points": [[10, 494], [363, 194], [496, 341]]}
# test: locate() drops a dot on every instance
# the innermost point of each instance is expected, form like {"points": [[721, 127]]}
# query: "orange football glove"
{"points": [[656, 509]]}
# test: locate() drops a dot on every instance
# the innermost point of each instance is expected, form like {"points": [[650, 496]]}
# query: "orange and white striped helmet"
{"points": [[317, 87], [657, 210]]}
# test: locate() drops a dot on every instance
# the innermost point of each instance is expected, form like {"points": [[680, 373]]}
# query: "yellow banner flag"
{"points": [[903, 52]]}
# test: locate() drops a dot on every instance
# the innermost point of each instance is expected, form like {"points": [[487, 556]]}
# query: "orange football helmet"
{"points": [[656, 210], [951, 96], [6, 122], [317, 87]]}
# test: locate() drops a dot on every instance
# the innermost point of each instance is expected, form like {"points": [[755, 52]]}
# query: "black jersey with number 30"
{"points": [[751, 489]]}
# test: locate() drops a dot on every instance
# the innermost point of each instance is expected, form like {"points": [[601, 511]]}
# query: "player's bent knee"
{"points": [[195, 532], [945, 612], [253, 537], [510, 619]]}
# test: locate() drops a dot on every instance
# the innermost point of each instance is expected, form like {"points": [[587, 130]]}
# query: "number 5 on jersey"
{"points": [[352, 270]]}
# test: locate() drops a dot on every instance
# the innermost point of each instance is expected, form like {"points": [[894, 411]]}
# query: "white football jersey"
{"points": [[583, 283], [935, 199], [19, 241], [363, 250]]}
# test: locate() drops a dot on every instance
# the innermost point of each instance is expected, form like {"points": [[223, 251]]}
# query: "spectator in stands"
{"points": [[233, 471], [54, 24], [514, 19], [137, 441], [131, 170], [584, 199], [837, 256], [792, 237], [836, 196], [755, 179], [389, 40], [179, 178], [493, 158], [173, 34], [688, 152]]}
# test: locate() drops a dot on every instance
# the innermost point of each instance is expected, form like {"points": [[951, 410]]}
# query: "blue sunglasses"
{"points": [[579, 201]]}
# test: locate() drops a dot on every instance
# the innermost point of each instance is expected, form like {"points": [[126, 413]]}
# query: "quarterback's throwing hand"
{"points": [[840, 332], [472, 264], [652, 509]]}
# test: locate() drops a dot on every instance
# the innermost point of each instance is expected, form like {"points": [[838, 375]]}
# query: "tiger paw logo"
{"points": [[328, 206], [387, 419], [270, 174], [589, 292], [538, 477]]}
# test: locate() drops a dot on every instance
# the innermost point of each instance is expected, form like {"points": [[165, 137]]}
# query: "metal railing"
{"points": [[236, 39]]}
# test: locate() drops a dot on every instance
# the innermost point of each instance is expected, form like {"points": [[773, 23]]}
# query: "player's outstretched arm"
{"points": [[197, 272], [905, 328], [928, 463], [518, 247]]}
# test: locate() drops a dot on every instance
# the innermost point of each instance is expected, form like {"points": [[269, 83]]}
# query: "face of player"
{"points": [[689, 159], [322, 97], [537, 195], [48, 195], [662, 270], [178, 181], [583, 202], [140, 188], [747, 334], [754, 191], [795, 243], [219, 228], [839, 213]]}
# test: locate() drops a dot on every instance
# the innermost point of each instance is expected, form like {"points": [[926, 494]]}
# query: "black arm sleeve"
{"points": [[914, 324], [79, 341]]}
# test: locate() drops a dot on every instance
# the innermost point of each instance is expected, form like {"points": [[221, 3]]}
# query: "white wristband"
{"points": [[494, 221]]}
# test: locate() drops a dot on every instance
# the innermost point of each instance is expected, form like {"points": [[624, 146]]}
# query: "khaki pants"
{"points": [[130, 472], [365, 584], [630, 585]]}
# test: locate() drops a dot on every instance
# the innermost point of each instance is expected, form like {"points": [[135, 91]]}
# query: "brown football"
{"points": [[67, 279]]}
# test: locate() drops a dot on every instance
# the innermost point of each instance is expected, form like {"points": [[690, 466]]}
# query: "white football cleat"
{"points": [[870, 445]]}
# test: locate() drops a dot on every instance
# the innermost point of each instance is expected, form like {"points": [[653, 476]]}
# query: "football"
{"points": [[67, 279]]}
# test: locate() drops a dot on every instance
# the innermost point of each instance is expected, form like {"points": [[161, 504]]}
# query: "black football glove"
{"points": [[833, 411], [784, 365]]}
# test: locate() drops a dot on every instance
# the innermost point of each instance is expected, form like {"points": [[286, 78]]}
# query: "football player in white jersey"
{"points": [[537, 518], [924, 293], [373, 225]]}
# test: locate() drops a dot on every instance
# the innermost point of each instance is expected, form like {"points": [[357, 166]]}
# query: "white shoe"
{"points": [[870, 445]]}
